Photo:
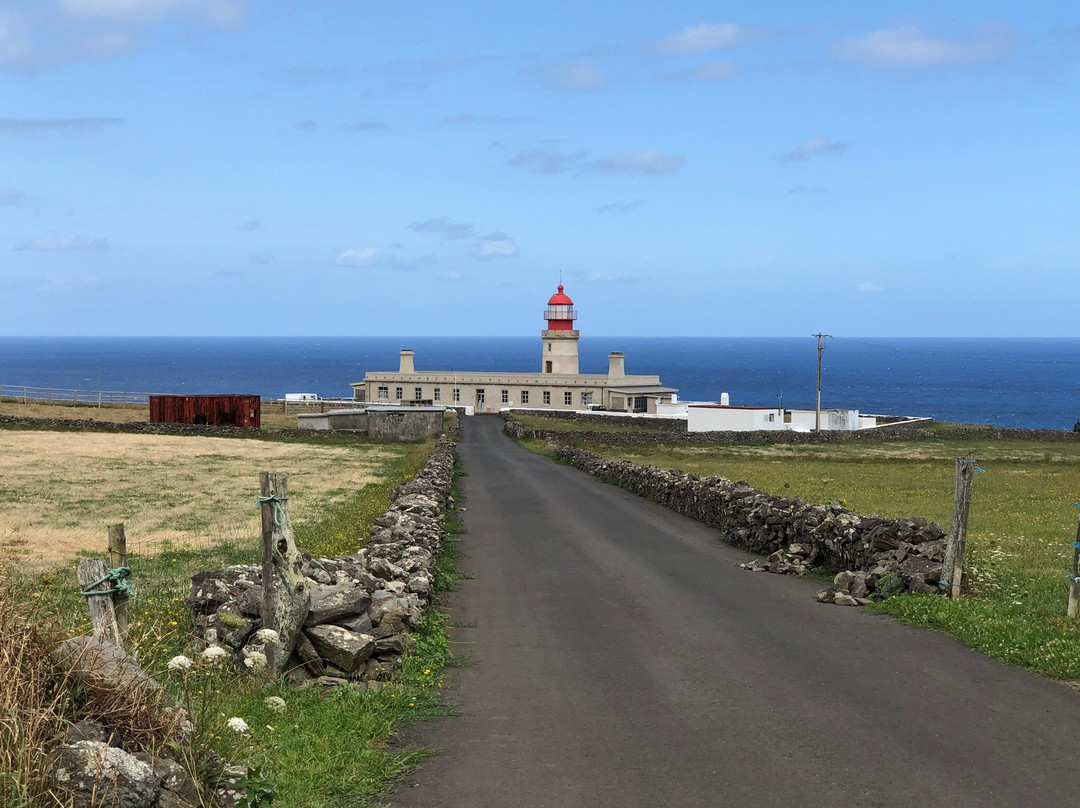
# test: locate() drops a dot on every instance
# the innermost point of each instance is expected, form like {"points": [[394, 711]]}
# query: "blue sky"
{"points": [[353, 167]]}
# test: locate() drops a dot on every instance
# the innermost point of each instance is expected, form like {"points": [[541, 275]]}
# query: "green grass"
{"points": [[330, 748], [1022, 524], [609, 424]]}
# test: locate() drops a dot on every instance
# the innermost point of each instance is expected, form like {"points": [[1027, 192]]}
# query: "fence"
{"points": [[67, 395]]}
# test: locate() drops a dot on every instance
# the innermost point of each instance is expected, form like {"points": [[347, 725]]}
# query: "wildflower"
{"points": [[179, 662], [275, 703], [237, 725], [267, 635], [255, 661], [214, 654]]}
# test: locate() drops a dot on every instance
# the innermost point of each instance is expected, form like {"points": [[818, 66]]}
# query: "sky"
{"points": [[362, 167]]}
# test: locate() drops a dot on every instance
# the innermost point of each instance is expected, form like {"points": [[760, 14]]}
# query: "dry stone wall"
{"points": [[876, 556], [364, 606]]}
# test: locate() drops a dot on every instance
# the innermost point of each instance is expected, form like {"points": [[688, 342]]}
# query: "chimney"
{"points": [[615, 364], [407, 362], [725, 400]]}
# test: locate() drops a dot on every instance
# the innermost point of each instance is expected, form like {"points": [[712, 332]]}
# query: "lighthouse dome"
{"points": [[560, 299]]}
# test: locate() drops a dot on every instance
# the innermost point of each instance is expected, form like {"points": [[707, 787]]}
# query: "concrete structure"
{"points": [[381, 423], [557, 386]]}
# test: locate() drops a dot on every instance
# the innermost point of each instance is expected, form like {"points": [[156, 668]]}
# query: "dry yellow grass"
{"points": [[272, 415], [59, 490], [112, 413]]}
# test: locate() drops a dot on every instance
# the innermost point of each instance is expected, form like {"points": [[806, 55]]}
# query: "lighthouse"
{"points": [[560, 337]]}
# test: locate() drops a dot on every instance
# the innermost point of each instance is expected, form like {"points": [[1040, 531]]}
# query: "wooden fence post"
{"points": [[102, 614], [118, 557], [1074, 588], [952, 571], [285, 594], [269, 607]]}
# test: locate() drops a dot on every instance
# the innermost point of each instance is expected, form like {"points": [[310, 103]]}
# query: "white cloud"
{"points": [[908, 46], [29, 126], [52, 241], [702, 38], [445, 227], [494, 246], [9, 195], [545, 161], [870, 288], [35, 34], [713, 72], [579, 74], [649, 161], [366, 258], [814, 147]]}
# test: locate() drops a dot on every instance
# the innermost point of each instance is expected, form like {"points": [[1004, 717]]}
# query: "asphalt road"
{"points": [[619, 657]]}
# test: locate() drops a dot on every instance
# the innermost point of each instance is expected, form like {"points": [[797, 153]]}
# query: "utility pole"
{"points": [[820, 351]]}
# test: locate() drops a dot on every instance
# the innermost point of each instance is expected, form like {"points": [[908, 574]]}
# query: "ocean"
{"points": [[1032, 383]]}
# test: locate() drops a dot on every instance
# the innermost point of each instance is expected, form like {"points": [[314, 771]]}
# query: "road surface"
{"points": [[619, 657]]}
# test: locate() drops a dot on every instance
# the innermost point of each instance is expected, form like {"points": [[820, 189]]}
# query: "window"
{"points": [[438, 394], [586, 399], [399, 393], [524, 396], [480, 396], [505, 396], [547, 366], [567, 398], [418, 393], [547, 396], [384, 393], [549, 346], [457, 395]]}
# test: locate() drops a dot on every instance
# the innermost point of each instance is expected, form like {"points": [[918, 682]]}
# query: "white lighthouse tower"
{"points": [[560, 337]]}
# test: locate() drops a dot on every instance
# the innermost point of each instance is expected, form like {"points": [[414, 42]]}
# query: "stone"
{"points": [[229, 793], [97, 664], [379, 669], [170, 799], [174, 777], [420, 584], [250, 602], [309, 656], [827, 595], [843, 581], [395, 643], [331, 603], [93, 774], [341, 647], [842, 599], [359, 623], [385, 569], [85, 731]]}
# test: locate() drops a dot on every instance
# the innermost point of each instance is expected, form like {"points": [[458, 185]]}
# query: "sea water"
{"points": [[1032, 383]]}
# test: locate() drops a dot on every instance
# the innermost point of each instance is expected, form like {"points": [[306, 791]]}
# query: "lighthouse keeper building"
{"points": [[558, 385]]}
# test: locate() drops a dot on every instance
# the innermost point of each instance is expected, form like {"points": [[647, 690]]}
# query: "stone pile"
{"points": [[879, 556], [364, 605]]}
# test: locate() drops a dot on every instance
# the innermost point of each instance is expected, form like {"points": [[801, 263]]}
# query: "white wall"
{"points": [[735, 419]]}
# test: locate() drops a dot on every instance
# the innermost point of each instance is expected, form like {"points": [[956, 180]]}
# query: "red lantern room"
{"points": [[560, 312]]}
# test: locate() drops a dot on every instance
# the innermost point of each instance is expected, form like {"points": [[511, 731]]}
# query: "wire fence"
{"points": [[68, 395]]}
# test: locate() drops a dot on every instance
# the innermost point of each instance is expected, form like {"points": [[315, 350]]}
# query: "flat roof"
{"points": [[641, 388]]}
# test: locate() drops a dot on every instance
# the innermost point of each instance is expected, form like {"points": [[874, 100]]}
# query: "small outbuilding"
{"points": [[387, 423], [217, 410]]}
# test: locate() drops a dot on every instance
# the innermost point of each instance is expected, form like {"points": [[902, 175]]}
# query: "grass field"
{"points": [[58, 490], [272, 417], [1022, 525], [327, 749]]}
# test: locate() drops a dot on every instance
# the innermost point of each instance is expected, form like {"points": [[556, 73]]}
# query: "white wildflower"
{"points": [[268, 635], [179, 662], [275, 703], [255, 661], [214, 654], [237, 725]]}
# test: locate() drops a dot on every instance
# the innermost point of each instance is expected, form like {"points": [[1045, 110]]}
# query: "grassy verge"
{"points": [[325, 749], [1022, 524]]}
